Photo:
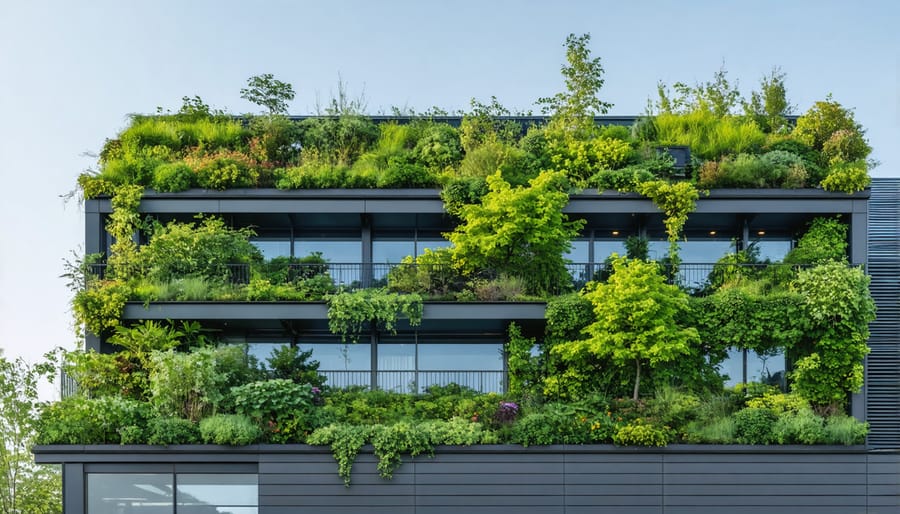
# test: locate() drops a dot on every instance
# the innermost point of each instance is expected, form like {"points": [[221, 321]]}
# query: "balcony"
{"points": [[239, 282]]}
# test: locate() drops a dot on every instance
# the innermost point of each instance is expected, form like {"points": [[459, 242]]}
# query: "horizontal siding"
{"points": [[596, 482]]}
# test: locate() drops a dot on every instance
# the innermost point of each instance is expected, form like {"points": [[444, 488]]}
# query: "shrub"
{"points": [[229, 429], [281, 407], [847, 177], [754, 426], [842, 429], [642, 433], [401, 174], [719, 430], [104, 374], [167, 430], [821, 121], [846, 145], [779, 403], [492, 157], [824, 240], [204, 249], [186, 385], [99, 308], [556, 423], [438, 147], [223, 169], [625, 179], [799, 427], [173, 177], [311, 174], [81, 420], [460, 191], [294, 364], [429, 274], [503, 288], [673, 407]]}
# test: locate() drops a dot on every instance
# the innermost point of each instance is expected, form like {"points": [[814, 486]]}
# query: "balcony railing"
{"points": [[443, 280], [418, 381]]}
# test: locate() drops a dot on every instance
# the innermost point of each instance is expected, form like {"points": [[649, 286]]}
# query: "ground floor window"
{"points": [[172, 493], [745, 366]]}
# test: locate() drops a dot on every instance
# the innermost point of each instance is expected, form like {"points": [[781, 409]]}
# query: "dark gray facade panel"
{"points": [[688, 478], [73, 488], [883, 363]]}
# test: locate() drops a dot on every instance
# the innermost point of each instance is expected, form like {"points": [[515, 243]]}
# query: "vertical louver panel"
{"points": [[883, 363]]}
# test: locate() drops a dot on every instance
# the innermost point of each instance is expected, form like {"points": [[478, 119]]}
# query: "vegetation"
{"points": [[631, 358]]}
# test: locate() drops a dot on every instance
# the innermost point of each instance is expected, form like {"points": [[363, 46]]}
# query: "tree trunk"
{"points": [[637, 378]]}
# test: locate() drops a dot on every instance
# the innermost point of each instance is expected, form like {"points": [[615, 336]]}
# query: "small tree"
{"points": [[637, 320], [267, 91], [575, 108], [520, 231], [24, 486]]}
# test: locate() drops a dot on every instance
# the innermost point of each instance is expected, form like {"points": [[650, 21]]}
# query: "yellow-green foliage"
{"points": [[848, 177], [583, 158], [778, 402], [637, 315], [708, 135], [676, 201]]}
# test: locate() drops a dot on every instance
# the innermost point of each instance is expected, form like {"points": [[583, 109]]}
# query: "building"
{"points": [[363, 233]]}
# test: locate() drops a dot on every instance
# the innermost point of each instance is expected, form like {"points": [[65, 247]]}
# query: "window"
{"points": [[412, 364], [168, 493], [765, 369]]}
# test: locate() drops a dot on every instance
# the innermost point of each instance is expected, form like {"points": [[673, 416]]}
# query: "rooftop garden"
{"points": [[630, 355]]}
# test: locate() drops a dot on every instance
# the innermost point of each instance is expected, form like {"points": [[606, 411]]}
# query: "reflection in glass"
{"points": [[272, 248], [764, 369], [263, 350], [343, 257], [139, 493], [343, 364], [229, 494], [772, 250]]}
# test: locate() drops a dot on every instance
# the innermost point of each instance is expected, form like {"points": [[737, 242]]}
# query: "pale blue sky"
{"points": [[71, 71]]}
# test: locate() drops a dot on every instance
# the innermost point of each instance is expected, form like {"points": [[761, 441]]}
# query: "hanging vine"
{"points": [[676, 200], [350, 312]]}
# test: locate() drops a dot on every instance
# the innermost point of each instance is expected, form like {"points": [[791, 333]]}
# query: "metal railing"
{"points": [[67, 385], [443, 279], [411, 381]]}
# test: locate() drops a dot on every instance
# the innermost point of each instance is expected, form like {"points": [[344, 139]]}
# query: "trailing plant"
{"points": [[229, 429], [676, 201], [522, 366], [100, 307], [521, 231], [350, 312], [345, 441], [124, 223], [390, 441]]}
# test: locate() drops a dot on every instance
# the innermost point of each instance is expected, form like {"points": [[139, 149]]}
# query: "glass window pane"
{"points": [[139, 493], [448, 356], [603, 248], [766, 369], [263, 350], [343, 257], [340, 356], [396, 357], [432, 244], [198, 492], [272, 248], [579, 253], [733, 367], [772, 250], [391, 252]]}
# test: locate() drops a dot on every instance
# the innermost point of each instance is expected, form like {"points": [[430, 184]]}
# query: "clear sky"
{"points": [[71, 71]]}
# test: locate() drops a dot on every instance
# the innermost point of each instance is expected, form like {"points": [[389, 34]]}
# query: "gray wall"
{"points": [[593, 479], [596, 479]]}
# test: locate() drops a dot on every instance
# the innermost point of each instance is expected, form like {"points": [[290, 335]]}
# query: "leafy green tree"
{"points": [[575, 108], [718, 96], [769, 106], [637, 320], [519, 231], [24, 486], [267, 91]]}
